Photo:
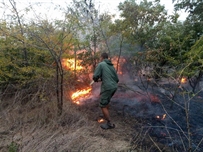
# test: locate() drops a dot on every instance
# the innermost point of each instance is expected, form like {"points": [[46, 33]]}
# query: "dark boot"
{"points": [[107, 125]]}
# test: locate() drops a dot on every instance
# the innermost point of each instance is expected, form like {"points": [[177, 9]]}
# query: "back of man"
{"points": [[107, 73]]}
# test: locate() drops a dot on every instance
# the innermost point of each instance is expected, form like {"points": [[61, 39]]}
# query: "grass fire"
{"points": [[81, 94]]}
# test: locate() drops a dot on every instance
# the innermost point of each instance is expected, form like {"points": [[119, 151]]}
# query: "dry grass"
{"points": [[36, 128]]}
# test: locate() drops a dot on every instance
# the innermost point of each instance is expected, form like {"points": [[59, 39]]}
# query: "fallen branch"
{"points": [[127, 87]]}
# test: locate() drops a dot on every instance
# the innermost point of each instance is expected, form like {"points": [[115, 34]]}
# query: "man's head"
{"points": [[104, 55]]}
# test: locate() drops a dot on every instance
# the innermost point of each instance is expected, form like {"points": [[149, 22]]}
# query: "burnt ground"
{"points": [[168, 114]]}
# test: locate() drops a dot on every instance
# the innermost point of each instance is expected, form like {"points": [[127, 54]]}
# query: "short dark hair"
{"points": [[104, 55]]}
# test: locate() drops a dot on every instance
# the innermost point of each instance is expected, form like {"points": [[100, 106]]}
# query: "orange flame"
{"points": [[76, 96], [70, 64], [100, 120], [183, 80], [122, 60]]}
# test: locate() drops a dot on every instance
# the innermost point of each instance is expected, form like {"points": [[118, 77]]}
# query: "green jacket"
{"points": [[107, 73]]}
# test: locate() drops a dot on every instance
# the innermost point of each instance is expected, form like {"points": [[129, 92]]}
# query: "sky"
{"points": [[47, 6], [112, 5]]}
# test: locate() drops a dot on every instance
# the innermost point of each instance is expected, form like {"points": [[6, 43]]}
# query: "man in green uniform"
{"points": [[106, 72]]}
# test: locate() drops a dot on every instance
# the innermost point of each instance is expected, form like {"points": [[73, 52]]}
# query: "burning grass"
{"points": [[81, 95]]}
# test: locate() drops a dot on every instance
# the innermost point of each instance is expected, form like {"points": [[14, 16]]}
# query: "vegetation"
{"points": [[13, 147], [32, 49]]}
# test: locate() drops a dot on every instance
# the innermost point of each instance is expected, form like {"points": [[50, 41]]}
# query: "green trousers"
{"points": [[105, 97]]}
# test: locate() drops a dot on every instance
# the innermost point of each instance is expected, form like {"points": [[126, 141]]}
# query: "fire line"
{"points": [[80, 94]]}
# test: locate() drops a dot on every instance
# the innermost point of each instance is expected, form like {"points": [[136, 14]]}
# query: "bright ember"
{"points": [[183, 80], [101, 120]]}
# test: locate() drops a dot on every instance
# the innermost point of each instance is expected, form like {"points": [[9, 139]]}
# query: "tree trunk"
{"points": [[59, 87], [121, 45]]}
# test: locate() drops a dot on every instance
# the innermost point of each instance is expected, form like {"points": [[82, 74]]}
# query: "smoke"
{"points": [[131, 97]]}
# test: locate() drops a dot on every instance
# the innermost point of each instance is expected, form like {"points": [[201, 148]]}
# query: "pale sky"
{"points": [[47, 6]]}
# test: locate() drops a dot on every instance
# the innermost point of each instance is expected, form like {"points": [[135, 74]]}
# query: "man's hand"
{"points": [[95, 80]]}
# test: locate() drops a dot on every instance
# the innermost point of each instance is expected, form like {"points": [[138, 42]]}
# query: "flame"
{"points": [[122, 60], [183, 80], [164, 116], [100, 120], [77, 102], [76, 96], [161, 117], [158, 117], [70, 64]]}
